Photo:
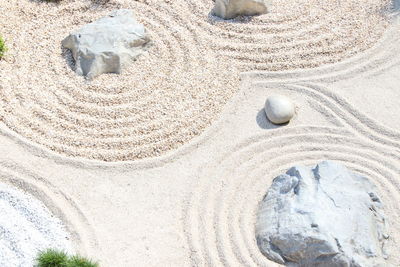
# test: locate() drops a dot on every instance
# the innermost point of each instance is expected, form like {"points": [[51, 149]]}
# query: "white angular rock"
{"points": [[107, 44], [229, 9], [325, 216], [279, 109]]}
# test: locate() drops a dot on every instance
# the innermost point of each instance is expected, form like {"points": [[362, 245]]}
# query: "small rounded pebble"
{"points": [[279, 109]]}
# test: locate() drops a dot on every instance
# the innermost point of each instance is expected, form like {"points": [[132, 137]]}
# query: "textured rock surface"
{"points": [[229, 9], [279, 109], [396, 4], [107, 44], [325, 216]]}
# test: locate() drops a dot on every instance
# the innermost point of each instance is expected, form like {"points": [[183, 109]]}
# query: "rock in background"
{"points": [[325, 216], [107, 44], [229, 9]]}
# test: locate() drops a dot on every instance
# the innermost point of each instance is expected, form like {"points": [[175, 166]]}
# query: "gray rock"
{"points": [[229, 9], [396, 5], [279, 109], [325, 216], [107, 44]]}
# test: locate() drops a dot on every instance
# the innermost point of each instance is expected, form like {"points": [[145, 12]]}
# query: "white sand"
{"points": [[175, 90], [27, 227], [196, 205]]}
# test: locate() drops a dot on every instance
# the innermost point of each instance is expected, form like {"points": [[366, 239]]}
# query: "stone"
{"points": [[229, 9], [396, 5], [322, 216], [108, 44], [279, 109]]}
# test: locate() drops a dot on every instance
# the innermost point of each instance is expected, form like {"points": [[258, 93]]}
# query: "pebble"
{"points": [[279, 109]]}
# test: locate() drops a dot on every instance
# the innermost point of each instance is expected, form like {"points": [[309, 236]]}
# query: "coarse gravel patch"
{"points": [[26, 227], [179, 86]]}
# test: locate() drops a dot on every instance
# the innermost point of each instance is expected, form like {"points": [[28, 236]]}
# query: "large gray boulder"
{"points": [[322, 216], [229, 9], [107, 44]]}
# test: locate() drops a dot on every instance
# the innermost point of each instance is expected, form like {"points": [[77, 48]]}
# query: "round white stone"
{"points": [[279, 109]]}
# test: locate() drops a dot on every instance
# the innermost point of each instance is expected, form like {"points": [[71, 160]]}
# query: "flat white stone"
{"points": [[279, 109], [322, 216], [229, 9]]}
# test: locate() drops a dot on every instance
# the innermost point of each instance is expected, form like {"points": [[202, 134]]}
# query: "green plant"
{"points": [[52, 258], [3, 47], [78, 261], [56, 258]]}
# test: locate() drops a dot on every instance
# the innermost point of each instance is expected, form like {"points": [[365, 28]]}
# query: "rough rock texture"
{"points": [[229, 9], [396, 5], [325, 216], [279, 109], [107, 44]]}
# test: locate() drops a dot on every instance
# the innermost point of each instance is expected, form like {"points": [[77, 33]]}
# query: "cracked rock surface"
{"points": [[108, 44], [322, 216]]}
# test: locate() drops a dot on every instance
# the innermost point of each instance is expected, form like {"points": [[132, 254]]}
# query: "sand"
{"points": [[174, 91], [195, 203], [27, 226]]}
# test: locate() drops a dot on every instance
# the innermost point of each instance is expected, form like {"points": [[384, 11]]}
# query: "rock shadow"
{"points": [[69, 59], [213, 19], [264, 123]]}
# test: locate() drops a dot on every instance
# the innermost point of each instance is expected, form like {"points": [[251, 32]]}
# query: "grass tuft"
{"points": [[3, 47], [78, 261], [56, 258], [52, 258]]}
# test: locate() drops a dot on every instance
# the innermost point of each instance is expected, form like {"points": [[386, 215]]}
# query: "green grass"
{"points": [[3, 47], [78, 261], [52, 258], [56, 258]]}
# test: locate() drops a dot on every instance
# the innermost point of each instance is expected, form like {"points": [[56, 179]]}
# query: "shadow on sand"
{"points": [[264, 123]]}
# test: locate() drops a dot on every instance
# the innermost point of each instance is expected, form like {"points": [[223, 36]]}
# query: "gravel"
{"points": [[178, 87], [26, 227]]}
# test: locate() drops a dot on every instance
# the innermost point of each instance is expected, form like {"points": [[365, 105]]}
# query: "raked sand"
{"points": [[174, 91], [195, 204]]}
